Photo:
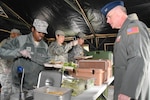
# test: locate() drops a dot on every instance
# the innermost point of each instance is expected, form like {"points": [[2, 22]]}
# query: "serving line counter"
{"points": [[94, 92], [90, 94]]}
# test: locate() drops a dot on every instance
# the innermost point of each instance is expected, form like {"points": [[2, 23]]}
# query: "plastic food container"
{"points": [[77, 85]]}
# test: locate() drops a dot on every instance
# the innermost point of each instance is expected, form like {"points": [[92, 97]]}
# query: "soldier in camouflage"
{"points": [[13, 34], [5, 68], [30, 52], [57, 50], [5, 78], [77, 51]]}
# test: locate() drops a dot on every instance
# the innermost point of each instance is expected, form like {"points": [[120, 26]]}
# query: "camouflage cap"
{"points": [[81, 35], [59, 32], [15, 31], [40, 26]]}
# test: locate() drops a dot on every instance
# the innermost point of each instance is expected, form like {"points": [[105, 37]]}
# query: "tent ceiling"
{"points": [[67, 15]]}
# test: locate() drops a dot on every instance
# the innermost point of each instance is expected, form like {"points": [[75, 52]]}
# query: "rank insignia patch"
{"points": [[132, 30]]}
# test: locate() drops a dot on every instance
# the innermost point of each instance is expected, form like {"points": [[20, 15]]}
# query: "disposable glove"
{"points": [[25, 53], [75, 42]]}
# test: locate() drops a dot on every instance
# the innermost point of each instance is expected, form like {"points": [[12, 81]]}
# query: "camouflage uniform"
{"points": [[59, 52], [75, 52], [5, 79], [32, 67], [5, 75]]}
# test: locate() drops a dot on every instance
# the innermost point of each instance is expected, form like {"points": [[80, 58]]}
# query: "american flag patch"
{"points": [[132, 30]]}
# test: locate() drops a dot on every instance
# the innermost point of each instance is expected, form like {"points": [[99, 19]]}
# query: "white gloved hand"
{"points": [[75, 42], [25, 53]]}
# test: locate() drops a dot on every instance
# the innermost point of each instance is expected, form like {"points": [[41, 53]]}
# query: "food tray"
{"points": [[52, 93], [58, 66]]}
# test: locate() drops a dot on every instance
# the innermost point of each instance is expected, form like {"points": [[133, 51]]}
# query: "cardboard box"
{"points": [[97, 74], [100, 64], [109, 73], [97, 64]]}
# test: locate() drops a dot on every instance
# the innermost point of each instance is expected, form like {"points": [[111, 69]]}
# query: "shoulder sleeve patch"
{"points": [[132, 30]]}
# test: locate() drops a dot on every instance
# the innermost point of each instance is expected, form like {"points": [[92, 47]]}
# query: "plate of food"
{"points": [[83, 57]]}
